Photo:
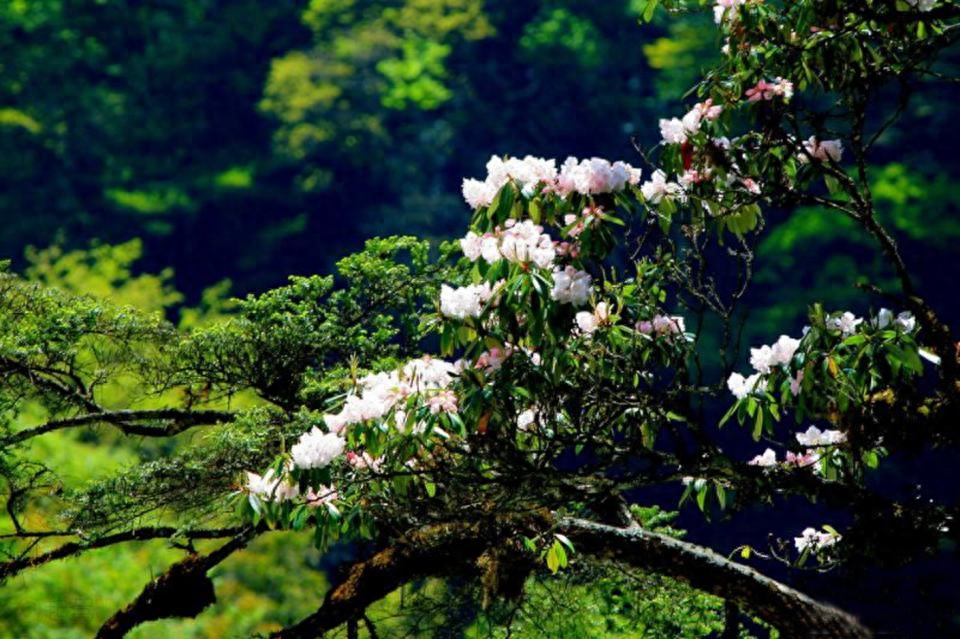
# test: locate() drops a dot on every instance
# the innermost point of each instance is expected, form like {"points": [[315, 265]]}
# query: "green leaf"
{"points": [[563, 539], [431, 488], [553, 561]]}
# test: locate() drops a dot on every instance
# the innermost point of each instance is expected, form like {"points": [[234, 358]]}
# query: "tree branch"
{"points": [[184, 590], [793, 613], [180, 420], [11, 568], [454, 548]]}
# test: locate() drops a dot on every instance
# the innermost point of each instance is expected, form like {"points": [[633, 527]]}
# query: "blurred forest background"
{"points": [[172, 153]]}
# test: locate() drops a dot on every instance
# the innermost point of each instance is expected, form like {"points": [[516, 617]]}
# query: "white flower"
{"points": [[741, 386], [471, 246], [467, 301], [657, 188], [813, 436], [814, 540], [571, 286], [766, 460], [526, 419], [594, 175], [760, 359], [668, 325], [726, 10], [673, 131], [884, 317], [316, 449], [822, 151], [907, 321], [846, 323], [477, 193], [587, 322], [270, 487], [781, 353]]}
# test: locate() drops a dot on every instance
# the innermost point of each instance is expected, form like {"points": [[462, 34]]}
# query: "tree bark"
{"points": [[446, 549]]}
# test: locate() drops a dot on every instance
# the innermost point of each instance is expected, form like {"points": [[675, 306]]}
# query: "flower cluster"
{"points": [[677, 130], [822, 151], [316, 449], [813, 439], [571, 286], [764, 360], [815, 541], [846, 323], [518, 242], [467, 301], [657, 189], [588, 322], [586, 177], [764, 90], [662, 325], [727, 10]]}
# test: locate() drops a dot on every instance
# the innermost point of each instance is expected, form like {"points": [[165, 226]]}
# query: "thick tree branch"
{"points": [[184, 590], [455, 548], [793, 613], [178, 420]]}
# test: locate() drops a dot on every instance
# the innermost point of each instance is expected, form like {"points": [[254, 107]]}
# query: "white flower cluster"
{"points": [[815, 540], [316, 449], [822, 151], [588, 322], [466, 301], [905, 321], [381, 392], [587, 177], [764, 360], [678, 130], [727, 10], [657, 189], [814, 439], [519, 242], [846, 323], [491, 360], [270, 487], [813, 436], [593, 176], [571, 286]]}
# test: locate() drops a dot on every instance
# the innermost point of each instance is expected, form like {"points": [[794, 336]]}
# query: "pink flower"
{"points": [[762, 91]]}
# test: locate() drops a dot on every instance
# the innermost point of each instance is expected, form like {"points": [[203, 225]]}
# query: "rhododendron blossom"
{"points": [[588, 322], [657, 189], [813, 436], [763, 359], [464, 302], [270, 487], [846, 323], [316, 449], [742, 386], [766, 460], [823, 151], [814, 541], [726, 10], [587, 177], [571, 286]]}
